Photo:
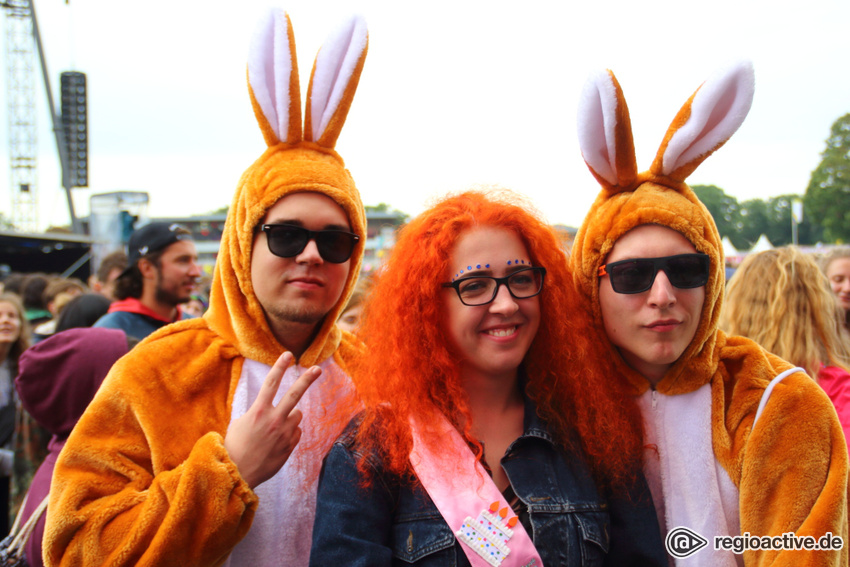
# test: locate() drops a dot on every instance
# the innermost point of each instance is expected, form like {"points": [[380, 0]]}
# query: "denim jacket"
{"points": [[394, 521]]}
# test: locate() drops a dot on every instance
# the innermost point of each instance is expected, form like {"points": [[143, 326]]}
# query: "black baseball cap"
{"points": [[153, 237]]}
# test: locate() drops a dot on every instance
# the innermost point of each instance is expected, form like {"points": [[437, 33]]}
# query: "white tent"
{"points": [[729, 249], [761, 245]]}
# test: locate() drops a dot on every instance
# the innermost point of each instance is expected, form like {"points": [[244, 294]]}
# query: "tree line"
{"points": [[826, 203]]}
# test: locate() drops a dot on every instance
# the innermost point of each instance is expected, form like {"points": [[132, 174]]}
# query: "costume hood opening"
{"points": [[297, 160], [659, 196]]}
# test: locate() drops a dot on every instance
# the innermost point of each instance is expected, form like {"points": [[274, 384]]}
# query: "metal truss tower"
{"points": [[23, 134]]}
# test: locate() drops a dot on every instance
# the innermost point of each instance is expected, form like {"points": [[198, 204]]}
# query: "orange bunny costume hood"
{"points": [[658, 196], [712, 467], [145, 477], [295, 161]]}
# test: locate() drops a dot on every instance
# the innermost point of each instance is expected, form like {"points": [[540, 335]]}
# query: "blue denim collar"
{"points": [[533, 425]]}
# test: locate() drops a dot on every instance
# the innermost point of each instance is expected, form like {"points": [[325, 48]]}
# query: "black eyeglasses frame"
{"points": [[499, 283]]}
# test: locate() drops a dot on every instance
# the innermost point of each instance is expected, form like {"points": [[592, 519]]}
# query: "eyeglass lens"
{"points": [[635, 276], [286, 241], [522, 284]]}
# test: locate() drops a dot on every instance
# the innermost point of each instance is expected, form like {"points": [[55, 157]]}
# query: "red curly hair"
{"points": [[410, 369]]}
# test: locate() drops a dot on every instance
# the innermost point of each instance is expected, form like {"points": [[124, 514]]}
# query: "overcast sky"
{"points": [[454, 93]]}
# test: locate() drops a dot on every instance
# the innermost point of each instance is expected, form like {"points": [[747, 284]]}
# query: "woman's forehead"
{"points": [[488, 247]]}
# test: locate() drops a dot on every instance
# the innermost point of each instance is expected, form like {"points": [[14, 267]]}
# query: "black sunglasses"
{"points": [[288, 240], [481, 290], [637, 275]]}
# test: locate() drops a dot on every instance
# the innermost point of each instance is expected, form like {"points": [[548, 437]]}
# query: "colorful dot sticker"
{"points": [[469, 269]]}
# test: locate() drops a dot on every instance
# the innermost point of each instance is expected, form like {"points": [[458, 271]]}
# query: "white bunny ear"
{"points": [[605, 132], [273, 79], [714, 112], [334, 80]]}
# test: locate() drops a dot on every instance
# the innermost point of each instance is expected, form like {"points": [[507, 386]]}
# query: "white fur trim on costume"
{"points": [[769, 390], [269, 76], [689, 487], [335, 65], [282, 529], [597, 121], [718, 109]]}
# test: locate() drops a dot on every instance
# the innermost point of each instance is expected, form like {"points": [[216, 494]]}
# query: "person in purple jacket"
{"points": [[57, 378]]}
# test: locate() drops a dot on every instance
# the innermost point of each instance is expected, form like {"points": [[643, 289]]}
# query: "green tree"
{"points": [[725, 210], [779, 230], [755, 221], [385, 208], [827, 200]]}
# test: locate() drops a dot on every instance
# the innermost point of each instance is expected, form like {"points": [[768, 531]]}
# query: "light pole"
{"points": [[796, 218]]}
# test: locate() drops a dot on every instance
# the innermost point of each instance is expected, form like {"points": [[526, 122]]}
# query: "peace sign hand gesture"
{"points": [[261, 441]]}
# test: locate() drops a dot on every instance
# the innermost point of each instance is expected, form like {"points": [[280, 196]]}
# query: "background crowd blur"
{"points": [[793, 302]]}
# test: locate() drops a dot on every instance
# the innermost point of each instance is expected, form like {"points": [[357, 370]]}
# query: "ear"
{"points": [[334, 80], [709, 118], [273, 80], [148, 269], [605, 132]]}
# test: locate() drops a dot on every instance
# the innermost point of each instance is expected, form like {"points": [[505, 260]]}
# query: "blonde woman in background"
{"points": [[836, 266], [781, 299]]}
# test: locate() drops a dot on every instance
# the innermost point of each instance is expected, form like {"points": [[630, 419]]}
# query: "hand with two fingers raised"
{"points": [[261, 441]]}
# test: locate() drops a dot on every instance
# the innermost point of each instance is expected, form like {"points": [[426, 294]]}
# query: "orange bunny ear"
{"points": [[273, 80], [709, 118], [334, 80], [605, 133]]}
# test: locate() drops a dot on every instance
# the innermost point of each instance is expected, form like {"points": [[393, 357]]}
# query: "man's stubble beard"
{"points": [[167, 297], [303, 316]]}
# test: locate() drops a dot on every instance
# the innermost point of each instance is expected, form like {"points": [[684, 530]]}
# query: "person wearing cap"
{"points": [[162, 273], [744, 454], [193, 452]]}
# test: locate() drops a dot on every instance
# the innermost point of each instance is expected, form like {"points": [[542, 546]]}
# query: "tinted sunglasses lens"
{"points": [[335, 246], [687, 271], [286, 241], [633, 276]]}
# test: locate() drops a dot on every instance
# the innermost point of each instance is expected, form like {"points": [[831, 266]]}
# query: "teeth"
{"points": [[502, 332]]}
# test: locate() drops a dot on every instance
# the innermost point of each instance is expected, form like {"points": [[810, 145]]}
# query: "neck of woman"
{"points": [[495, 402], [498, 413]]}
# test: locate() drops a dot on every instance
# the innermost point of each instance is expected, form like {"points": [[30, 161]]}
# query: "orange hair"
{"points": [[411, 370]]}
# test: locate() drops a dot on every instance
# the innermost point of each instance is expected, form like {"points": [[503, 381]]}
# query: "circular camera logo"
{"points": [[682, 542]]}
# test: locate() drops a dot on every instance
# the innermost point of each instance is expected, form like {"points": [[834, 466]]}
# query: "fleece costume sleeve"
{"points": [[791, 467], [136, 485]]}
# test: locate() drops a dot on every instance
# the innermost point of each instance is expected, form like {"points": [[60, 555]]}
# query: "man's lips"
{"points": [[306, 282], [663, 325]]}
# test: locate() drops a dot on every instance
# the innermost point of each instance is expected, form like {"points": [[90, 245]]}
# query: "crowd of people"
{"points": [[58, 339], [489, 397]]}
